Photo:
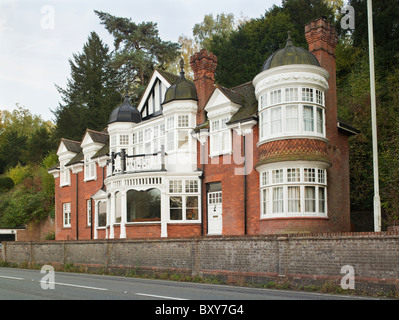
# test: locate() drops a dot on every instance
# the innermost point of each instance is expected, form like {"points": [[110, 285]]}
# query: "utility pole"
{"points": [[377, 200]]}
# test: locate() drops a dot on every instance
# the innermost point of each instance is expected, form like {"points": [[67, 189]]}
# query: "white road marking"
{"points": [[162, 297], [13, 278], [74, 285]]}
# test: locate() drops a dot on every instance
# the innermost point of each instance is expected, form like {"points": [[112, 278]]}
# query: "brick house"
{"points": [[197, 159]]}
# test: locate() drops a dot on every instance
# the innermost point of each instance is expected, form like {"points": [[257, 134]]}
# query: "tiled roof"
{"points": [[73, 146]]}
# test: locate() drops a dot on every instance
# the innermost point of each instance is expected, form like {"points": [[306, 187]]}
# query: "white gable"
{"points": [[153, 95], [219, 105]]}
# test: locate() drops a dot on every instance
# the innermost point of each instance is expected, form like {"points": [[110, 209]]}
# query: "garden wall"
{"points": [[295, 259]]}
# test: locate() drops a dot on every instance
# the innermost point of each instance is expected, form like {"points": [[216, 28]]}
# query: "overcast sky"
{"points": [[38, 37]]}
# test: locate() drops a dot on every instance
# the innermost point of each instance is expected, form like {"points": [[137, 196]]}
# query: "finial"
{"points": [[182, 67], [289, 40]]}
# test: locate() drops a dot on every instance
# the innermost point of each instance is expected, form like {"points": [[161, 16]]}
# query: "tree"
{"points": [[242, 54], [91, 93], [386, 30], [221, 26], [188, 47], [138, 49]]}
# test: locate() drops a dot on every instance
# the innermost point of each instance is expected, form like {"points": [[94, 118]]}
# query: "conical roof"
{"points": [[290, 55], [125, 113], [183, 89]]}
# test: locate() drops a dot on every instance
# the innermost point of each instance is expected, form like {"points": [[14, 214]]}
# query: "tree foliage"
{"points": [[138, 49], [353, 80], [91, 93], [242, 54], [221, 26]]}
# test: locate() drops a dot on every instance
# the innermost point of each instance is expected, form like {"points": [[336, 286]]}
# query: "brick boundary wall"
{"points": [[296, 259]]}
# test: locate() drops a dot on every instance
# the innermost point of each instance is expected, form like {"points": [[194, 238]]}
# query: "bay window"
{"points": [[291, 112], [293, 191]]}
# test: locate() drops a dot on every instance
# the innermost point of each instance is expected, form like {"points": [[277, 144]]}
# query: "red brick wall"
{"points": [[68, 194], [233, 187], [322, 39]]}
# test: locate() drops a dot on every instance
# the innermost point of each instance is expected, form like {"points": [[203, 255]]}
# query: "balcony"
{"points": [[122, 163]]}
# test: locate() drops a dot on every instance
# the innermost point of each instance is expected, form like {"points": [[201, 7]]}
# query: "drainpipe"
{"points": [[77, 206], [91, 218], [245, 188], [202, 190]]}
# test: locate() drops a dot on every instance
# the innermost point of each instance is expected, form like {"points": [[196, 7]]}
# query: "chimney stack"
{"points": [[203, 65], [323, 39]]}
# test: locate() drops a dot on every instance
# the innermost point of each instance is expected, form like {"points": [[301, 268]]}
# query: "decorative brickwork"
{"points": [[292, 149]]}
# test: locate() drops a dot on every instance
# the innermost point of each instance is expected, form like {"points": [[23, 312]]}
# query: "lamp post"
{"points": [[377, 200]]}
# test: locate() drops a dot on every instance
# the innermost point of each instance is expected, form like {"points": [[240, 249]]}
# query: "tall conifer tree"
{"points": [[91, 93]]}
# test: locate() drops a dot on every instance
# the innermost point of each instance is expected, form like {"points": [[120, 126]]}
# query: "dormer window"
{"points": [[90, 169], [220, 137], [65, 176]]}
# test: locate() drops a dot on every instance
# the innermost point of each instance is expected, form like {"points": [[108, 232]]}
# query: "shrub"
{"points": [[6, 184]]}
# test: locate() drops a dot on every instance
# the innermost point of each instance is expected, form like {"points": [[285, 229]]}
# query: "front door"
{"points": [[215, 213]]}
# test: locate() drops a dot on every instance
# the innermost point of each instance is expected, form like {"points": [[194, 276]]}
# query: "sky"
{"points": [[37, 38]]}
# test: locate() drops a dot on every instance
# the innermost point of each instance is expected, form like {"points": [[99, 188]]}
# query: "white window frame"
{"points": [[277, 181], [65, 176], [220, 137], [66, 215], [184, 189], [89, 212], [282, 113], [90, 168]]}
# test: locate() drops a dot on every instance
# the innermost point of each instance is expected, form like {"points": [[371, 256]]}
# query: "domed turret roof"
{"points": [[290, 55], [183, 89], [125, 113]]}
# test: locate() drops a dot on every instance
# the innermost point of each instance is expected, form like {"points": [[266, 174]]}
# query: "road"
{"points": [[20, 284]]}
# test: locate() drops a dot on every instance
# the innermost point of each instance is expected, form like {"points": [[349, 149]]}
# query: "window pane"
{"points": [[191, 186], [171, 141], [192, 208], [322, 200], [182, 121], [322, 176], [319, 97], [176, 205], [263, 101], [170, 123], [183, 140], [308, 117], [310, 199], [265, 178], [320, 123], [215, 125], [118, 207], [275, 97], [292, 118], [143, 205], [265, 201], [278, 202], [307, 94], [175, 186], [264, 123], [277, 176], [294, 199], [293, 175], [291, 94], [102, 214], [276, 120], [309, 175]]}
